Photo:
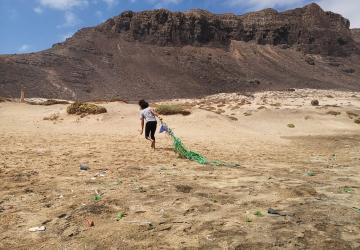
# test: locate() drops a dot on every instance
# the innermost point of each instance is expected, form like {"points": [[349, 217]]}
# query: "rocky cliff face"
{"points": [[310, 29], [160, 54]]}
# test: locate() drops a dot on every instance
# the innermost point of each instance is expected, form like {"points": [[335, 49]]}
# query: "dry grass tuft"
{"points": [[52, 117], [48, 102], [351, 114], [80, 108], [172, 109], [332, 112], [290, 125]]}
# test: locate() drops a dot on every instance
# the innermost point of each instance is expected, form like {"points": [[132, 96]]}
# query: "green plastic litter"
{"points": [[119, 216], [194, 156], [97, 197]]}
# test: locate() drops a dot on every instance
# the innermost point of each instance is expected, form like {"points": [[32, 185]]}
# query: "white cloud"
{"points": [[24, 48], [111, 3], [66, 36], [71, 20], [63, 4], [98, 14], [38, 10], [348, 8]]}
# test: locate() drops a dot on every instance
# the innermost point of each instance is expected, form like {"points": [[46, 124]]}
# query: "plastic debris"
{"points": [[37, 229], [120, 215], [84, 167]]}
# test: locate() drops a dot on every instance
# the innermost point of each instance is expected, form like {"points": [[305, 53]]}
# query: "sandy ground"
{"points": [[310, 173]]}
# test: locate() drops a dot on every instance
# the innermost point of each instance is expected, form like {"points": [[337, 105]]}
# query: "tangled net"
{"points": [[191, 155]]}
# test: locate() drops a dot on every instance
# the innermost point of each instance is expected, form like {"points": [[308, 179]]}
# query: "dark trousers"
{"points": [[150, 129]]}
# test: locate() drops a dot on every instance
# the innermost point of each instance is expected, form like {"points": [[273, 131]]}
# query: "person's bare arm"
{"points": [[142, 125], [156, 114]]}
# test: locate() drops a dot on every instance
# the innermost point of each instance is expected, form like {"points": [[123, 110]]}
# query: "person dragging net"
{"points": [[148, 118]]}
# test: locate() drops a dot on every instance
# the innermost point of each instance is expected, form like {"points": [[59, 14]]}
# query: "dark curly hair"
{"points": [[143, 104]]}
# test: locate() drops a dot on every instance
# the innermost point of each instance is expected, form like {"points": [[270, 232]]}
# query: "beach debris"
{"points": [[97, 197], [37, 229], [120, 215], [89, 223], [100, 174], [310, 173], [84, 167], [348, 189], [277, 212], [273, 211], [315, 102]]}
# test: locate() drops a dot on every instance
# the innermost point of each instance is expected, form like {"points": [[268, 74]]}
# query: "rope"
{"points": [[191, 155]]}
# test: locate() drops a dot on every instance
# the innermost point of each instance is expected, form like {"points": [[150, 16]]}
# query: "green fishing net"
{"points": [[191, 155]]}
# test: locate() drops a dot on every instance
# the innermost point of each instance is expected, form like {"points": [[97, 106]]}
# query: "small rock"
{"points": [[183, 188], [348, 70], [84, 167], [310, 60], [315, 102]]}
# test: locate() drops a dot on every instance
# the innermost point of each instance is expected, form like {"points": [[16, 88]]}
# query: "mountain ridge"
{"points": [[160, 54]]}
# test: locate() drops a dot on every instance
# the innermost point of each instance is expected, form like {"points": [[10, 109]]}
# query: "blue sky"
{"points": [[33, 25]]}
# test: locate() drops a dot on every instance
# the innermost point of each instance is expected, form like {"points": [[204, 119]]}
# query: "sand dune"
{"points": [[309, 172]]}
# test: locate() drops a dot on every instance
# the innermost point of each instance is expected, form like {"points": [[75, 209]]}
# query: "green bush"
{"points": [[80, 108], [172, 109]]}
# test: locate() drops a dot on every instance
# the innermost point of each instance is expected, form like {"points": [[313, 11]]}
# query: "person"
{"points": [[148, 117]]}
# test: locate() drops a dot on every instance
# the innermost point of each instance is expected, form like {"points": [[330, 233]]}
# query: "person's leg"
{"points": [[147, 130], [152, 133]]}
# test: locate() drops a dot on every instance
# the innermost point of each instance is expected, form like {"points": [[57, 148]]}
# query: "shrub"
{"points": [[82, 108], [172, 109], [290, 125]]}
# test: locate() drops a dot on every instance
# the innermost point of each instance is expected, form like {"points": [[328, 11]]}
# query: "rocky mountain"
{"points": [[161, 54]]}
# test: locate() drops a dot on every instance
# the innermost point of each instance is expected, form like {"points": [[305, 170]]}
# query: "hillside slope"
{"points": [[160, 54]]}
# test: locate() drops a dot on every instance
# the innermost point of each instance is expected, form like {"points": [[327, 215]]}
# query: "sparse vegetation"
{"points": [[258, 214], [351, 114], [82, 108], [290, 125], [332, 112], [172, 109], [233, 118], [52, 117]]}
